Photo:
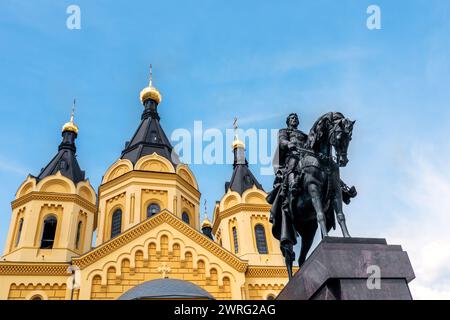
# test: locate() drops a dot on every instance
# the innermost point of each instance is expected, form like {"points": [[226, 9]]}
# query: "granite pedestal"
{"points": [[349, 269]]}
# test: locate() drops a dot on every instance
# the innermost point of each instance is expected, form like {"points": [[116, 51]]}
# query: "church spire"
{"points": [[238, 146], [236, 142], [71, 126], [242, 178], [206, 224], [149, 136], [150, 92], [65, 160], [150, 83]]}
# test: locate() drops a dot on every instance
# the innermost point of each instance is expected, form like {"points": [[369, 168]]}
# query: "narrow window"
{"points": [[116, 223], [185, 217], [19, 231], [261, 242], [235, 240], [153, 209], [154, 137], [77, 240], [49, 231], [62, 165]]}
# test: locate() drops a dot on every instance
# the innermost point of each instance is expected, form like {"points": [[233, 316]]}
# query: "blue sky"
{"points": [[214, 60]]}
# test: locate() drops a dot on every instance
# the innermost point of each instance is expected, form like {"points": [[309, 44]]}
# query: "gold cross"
{"points": [[73, 110], [164, 270], [235, 126], [151, 76]]}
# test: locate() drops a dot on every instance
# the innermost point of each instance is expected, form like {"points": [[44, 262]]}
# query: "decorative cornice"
{"points": [[55, 197], [187, 202], [144, 227], [33, 269], [116, 197], [267, 272], [154, 175], [155, 191], [239, 208]]}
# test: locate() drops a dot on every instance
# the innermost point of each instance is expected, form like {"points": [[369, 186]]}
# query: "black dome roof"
{"points": [[166, 289]]}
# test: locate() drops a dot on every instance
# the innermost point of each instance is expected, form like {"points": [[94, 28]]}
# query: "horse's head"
{"points": [[340, 137]]}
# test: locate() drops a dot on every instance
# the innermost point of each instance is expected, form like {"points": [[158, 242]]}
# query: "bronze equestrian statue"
{"points": [[308, 190]]}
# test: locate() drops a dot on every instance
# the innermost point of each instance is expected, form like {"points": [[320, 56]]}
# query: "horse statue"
{"points": [[310, 193]]}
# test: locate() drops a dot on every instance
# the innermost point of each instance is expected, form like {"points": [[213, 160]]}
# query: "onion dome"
{"points": [[238, 144], [206, 223], [150, 92], [71, 126]]}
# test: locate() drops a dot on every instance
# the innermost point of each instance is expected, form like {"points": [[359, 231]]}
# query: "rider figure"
{"points": [[290, 141], [289, 163]]}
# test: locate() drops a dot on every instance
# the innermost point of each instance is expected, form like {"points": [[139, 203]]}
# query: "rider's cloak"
{"points": [[282, 223]]}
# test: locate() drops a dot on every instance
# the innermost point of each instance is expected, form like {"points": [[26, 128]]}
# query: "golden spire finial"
{"points": [[150, 92], [206, 223], [71, 126], [73, 110], [236, 142], [150, 83]]}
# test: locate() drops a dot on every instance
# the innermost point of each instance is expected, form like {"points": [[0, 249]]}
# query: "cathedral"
{"points": [[141, 235]]}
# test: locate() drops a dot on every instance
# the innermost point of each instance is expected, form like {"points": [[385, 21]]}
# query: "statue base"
{"points": [[352, 269]]}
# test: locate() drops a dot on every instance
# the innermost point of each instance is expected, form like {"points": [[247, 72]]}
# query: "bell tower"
{"points": [[53, 213], [241, 218], [147, 178]]}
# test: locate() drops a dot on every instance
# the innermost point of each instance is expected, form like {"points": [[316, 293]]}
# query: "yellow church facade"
{"points": [[141, 235]]}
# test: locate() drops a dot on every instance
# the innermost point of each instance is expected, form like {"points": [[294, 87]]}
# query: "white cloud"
{"points": [[248, 120], [422, 229], [265, 65]]}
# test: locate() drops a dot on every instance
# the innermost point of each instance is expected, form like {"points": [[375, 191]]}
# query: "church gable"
{"points": [[162, 246]]}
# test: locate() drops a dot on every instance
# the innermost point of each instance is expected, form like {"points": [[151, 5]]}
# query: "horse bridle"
{"points": [[319, 155], [322, 156], [331, 136]]}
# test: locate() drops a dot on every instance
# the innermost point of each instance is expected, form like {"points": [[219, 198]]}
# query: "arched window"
{"points": [[153, 209], [270, 297], [36, 297], [185, 217], [235, 240], [116, 223], [49, 232], [261, 242], [77, 239], [19, 231]]}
